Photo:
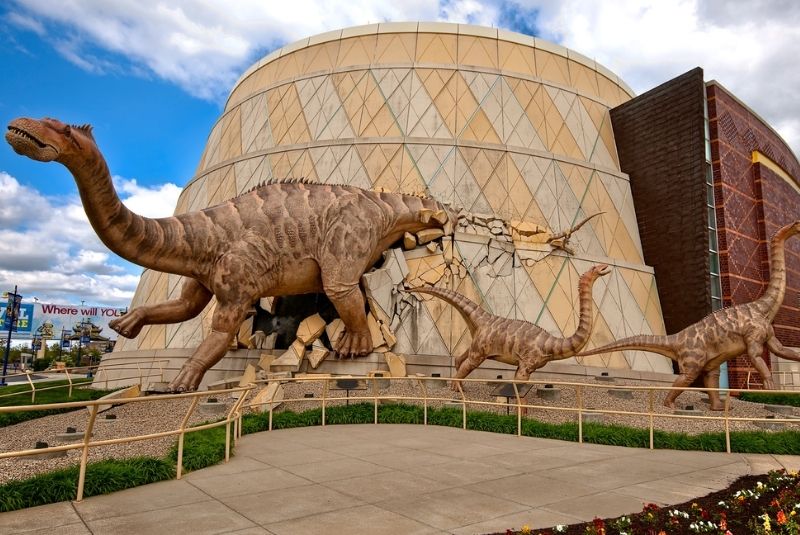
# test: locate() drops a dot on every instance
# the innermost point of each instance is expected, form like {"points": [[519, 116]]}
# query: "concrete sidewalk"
{"points": [[399, 479]]}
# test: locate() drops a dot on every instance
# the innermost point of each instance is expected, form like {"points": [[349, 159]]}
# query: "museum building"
{"points": [[528, 139]]}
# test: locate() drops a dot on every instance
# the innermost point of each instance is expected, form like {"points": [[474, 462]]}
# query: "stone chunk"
{"points": [[249, 375], [388, 335], [292, 357], [394, 262], [245, 332], [224, 384], [397, 364], [409, 241], [378, 288], [375, 331], [310, 329], [316, 356], [429, 234], [269, 398], [267, 304], [265, 361], [334, 330]]}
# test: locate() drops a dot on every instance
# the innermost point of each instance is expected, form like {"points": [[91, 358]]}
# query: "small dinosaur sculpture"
{"points": [[278, 239], [702, 347], [517, 342], [561, 240]]}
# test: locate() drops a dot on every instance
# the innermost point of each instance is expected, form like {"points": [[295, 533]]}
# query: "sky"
{"points": [[152, 77]]}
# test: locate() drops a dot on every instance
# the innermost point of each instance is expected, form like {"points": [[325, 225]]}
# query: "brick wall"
{"points": [[752, 203], [660, 140]]}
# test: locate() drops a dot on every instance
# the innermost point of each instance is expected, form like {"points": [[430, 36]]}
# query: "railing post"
{"points": [[650, 397], [33, 387], [727, 423], [463, 405], [138, 367], [179, 467], [87, 437], [69, 379], [424, 402], [579, 401], [375, 397], [324, 399], [519, 410]]}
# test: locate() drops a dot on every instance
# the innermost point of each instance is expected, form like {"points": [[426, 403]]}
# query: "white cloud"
{"points": [[204, 45], [749, 47], [50, 250]]}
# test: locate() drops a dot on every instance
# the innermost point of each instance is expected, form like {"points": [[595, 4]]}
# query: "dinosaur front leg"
{"points": [[754, 351], [349, 302], [224, 324], [711, 381], [472, 360], [194, 297]]}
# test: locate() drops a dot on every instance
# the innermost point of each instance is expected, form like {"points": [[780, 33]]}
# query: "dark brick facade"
{"points": [[752, 203], [661, 144]]}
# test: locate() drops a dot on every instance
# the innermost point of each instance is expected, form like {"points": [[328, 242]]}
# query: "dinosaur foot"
{"points": [[188, 379], [669, 404], [352, 345], [128, 325], [716, 407]]}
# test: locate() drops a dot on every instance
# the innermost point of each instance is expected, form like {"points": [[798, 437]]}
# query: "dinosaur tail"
{"points": [[663, 345], [469, 310]]}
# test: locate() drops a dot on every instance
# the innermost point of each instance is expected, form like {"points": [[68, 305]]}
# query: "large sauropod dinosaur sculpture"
{"points": [[517, 342], [279, 239], [702, 347]]}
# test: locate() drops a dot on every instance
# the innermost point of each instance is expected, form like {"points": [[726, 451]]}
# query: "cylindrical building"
{"points": [[511, 129]]}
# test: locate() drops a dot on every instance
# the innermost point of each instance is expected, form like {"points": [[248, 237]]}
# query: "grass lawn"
{"points": [[54, 395]]}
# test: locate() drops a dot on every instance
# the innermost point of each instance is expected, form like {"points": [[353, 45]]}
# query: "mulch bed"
{"points": [[750, 505]]}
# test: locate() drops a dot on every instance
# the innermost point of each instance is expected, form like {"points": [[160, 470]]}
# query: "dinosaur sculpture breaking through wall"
{"points": [[279, 239]]}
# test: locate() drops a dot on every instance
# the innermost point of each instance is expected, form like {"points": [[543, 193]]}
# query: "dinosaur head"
{"points": [[597, 271], [46, 140]]}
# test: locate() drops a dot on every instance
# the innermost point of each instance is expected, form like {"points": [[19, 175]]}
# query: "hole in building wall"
{"points": [[290, 310]]}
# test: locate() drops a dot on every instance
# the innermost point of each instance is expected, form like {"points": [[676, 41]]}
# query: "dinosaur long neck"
{"points": [[570, 345], [131, 236], [771, 301]]}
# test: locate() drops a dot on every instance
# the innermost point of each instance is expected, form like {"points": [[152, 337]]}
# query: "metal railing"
{"points": [[520, 404], [422, 395], [232, 418], [71, 374]]}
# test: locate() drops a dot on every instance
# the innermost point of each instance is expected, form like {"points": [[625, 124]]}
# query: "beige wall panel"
{"points": [[376, 116], [440, 49], [256, 133], [440, 84], [519, 196], [395, 84], [516, 58], [231, 144], [551, 67], [286, 116], [395, 48], [477, 52], [321, 58], [411, 179], [356, 51], [382, 164], [226, 189], [517, 127], [583, 78], [468, 193]]}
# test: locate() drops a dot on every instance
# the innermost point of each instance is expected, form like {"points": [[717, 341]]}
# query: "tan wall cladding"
{"points": [[494, 122]]}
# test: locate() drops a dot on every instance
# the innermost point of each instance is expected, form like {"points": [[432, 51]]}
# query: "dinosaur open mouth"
{"points": [[18, 132]]}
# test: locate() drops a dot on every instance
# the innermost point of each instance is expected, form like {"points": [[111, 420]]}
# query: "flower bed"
{"points": [[751, 505]]}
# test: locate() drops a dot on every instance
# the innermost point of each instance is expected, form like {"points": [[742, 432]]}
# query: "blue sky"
{"points": [[151, 77]]}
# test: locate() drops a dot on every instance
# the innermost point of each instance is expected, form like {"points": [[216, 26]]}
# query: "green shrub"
{"points": [[102, 477], [771, 399], [201, 448], [53, 395], [39, 365]]}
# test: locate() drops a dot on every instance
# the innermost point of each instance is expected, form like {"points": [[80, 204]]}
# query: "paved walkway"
{"points": [[398, 479]]}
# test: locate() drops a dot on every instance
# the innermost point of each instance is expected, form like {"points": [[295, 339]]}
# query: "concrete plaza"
{"points": [[399, 479]]}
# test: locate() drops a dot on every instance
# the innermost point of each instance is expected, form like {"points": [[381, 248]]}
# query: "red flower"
{"points": [[781, 517], [723, 524]]}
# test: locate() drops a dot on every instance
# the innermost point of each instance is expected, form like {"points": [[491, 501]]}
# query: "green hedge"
{"points": [[771, 399]]}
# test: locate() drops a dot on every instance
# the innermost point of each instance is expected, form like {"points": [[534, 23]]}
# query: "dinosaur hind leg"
{"points": [[690, 371], [711, 381], [470, 360]]}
